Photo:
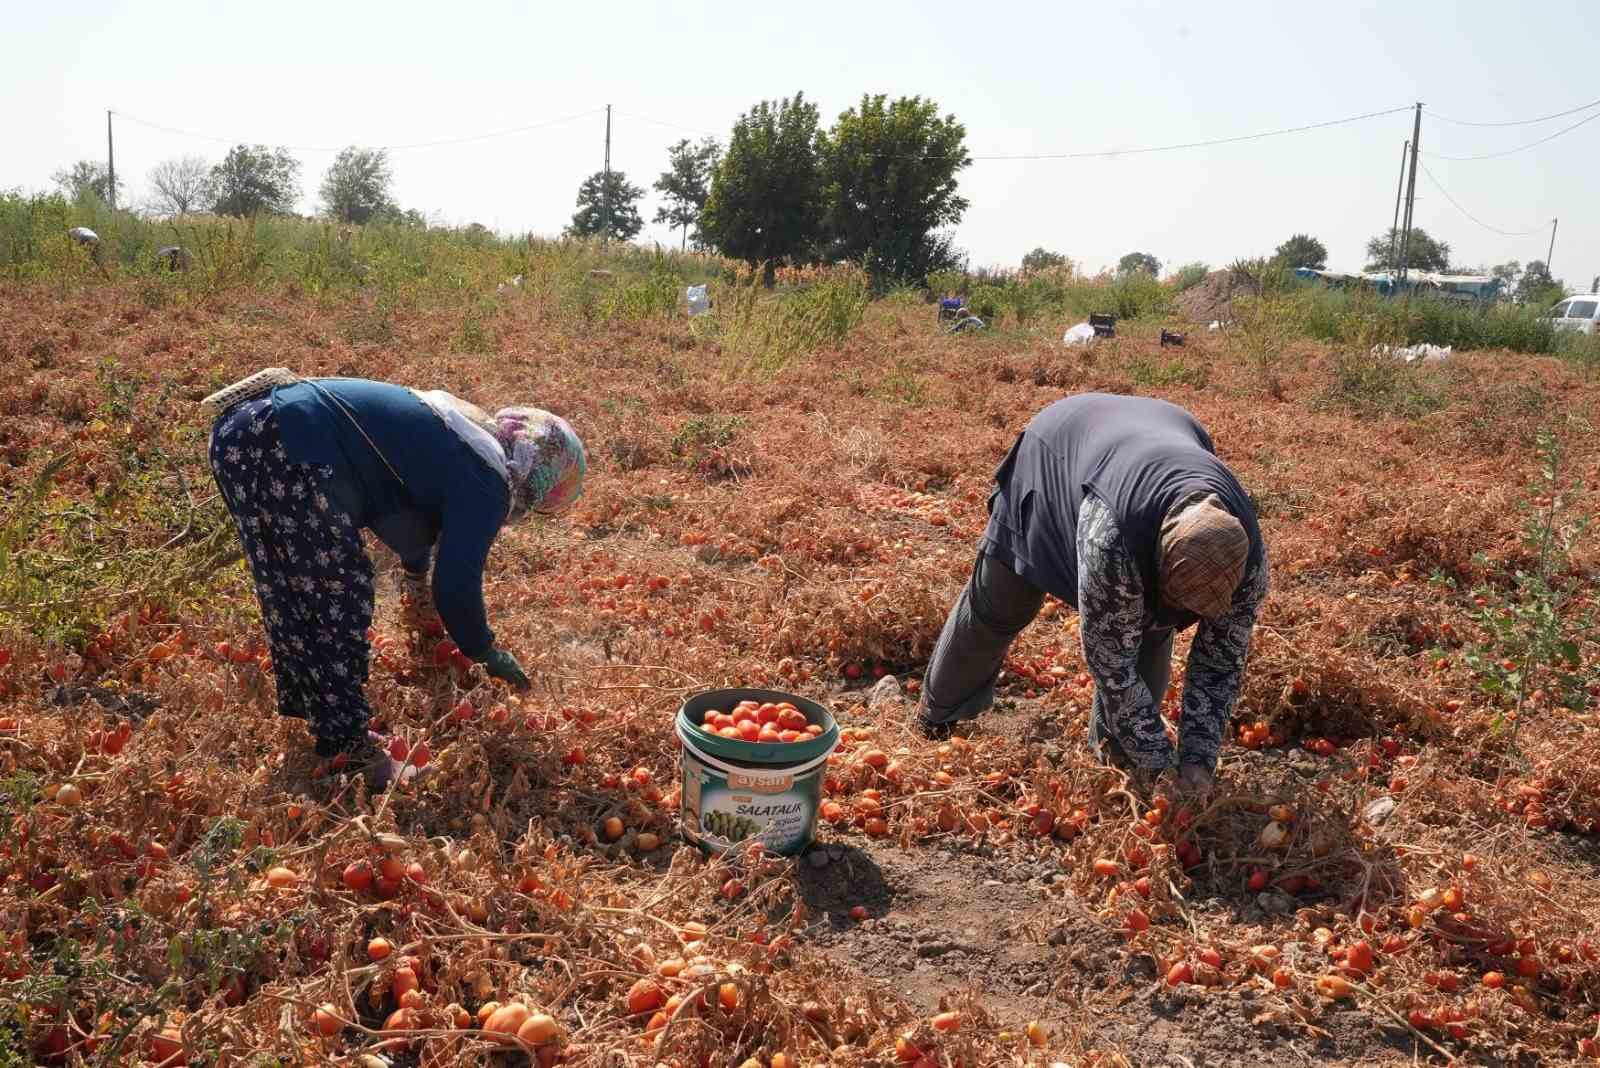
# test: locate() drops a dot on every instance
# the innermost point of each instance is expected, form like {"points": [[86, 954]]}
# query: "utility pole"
{"points": [[605, 186], [1399, 187], [1411, 191], [111, 166], [1549, 255]]}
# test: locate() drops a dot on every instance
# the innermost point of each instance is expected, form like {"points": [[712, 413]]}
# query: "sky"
{"points": [[1044, 78]]}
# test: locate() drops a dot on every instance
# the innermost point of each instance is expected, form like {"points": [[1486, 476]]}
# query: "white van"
{"points": [[1576, 315]]}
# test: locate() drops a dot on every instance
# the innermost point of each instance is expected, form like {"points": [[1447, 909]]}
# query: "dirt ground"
{"points": [[982, 923]]}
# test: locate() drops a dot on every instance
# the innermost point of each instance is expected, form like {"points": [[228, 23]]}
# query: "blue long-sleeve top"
{"points": [[447, 502]]}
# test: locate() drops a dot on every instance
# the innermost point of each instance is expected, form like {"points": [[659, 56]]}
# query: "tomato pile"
{"points": [[764, 722]]}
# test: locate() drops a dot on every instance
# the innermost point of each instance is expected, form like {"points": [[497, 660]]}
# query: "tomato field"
{"points": [[1400, 865]]}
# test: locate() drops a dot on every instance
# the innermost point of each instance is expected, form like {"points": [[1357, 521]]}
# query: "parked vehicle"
{"points": [[1576, 315]]}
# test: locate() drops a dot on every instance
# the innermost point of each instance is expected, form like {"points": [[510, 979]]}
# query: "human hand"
{"points": [[502, 665]]}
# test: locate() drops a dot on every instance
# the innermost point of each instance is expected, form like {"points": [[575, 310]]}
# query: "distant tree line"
{"points": [[254, 180]]}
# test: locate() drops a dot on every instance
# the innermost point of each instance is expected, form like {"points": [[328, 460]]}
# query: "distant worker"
{"points": [[1119, 507], [966, 320], [86, 238], [305, 465], [173, 257]]}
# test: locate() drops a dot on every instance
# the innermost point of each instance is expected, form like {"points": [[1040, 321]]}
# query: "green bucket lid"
{"points": [[693, 712]]}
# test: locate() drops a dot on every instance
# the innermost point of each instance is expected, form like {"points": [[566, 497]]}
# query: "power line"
{"points": [[1522, 148], [418, 144], [1474, 218], [1200, 144], [1519, 122], [668, 125]]}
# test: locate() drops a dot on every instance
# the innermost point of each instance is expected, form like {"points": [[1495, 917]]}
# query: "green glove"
{"points": [[502, 665]]}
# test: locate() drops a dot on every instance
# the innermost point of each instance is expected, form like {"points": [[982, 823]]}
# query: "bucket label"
{"points": [[778, 820], [760, 784], [719, 811]]}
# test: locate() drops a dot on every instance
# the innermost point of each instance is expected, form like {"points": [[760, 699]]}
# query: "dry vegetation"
{"points": [[181, 883]]}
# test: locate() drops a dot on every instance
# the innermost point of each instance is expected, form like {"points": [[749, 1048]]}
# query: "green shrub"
{"points": [[1135, 296], [763, 330], [1188, 276]]}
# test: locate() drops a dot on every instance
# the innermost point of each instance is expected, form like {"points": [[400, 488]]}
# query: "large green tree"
{"points": [[1422, 254], [85, 178], [1538, 286], [889, 170], [252, 179], [608, 205], [766, 196], [1139, 261], [356, 186], [686, 183], [1302, 250], [1042, 258]]}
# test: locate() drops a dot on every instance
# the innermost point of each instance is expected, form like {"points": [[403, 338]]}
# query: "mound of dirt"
{"points": [[1213, 297]]}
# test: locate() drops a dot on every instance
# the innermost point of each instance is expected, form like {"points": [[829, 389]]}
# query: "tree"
{"points": [[1538, 286], [254, 178], [180, 186], [1507, 273], [686, 183], [356, 186], [608, 205], [1189, 275], [1139, 261], [1302, 250], [85, 178], [766, 196], [1042, 258], [1423, 253], [889, 172]]}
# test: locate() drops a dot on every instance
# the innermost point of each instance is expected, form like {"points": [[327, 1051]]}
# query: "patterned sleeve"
{"points": [[1111, 604], [1216, 670]]}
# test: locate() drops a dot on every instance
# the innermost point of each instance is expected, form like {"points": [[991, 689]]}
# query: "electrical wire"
{"points": [[1100, 154], [1474, 218], [1199, 144], [1514, 151], [387, 148], [658, 122], [1519, 122]]}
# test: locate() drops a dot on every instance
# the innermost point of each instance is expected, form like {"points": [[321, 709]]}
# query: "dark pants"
{"points": [[313, 576], [996, 605]]}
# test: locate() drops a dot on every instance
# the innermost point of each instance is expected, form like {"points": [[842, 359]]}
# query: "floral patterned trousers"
{"points": [[313, 576]]}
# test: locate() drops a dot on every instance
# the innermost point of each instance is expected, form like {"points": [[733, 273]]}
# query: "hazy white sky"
{"points": [[1049, 77]]}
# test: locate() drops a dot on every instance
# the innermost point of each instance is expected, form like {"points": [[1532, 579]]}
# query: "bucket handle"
{"points": [[733, 769]]}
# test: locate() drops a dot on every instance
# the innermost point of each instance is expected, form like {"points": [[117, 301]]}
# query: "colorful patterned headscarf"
{"points": [[545, 457]]}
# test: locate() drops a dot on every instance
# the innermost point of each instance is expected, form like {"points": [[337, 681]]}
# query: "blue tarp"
{"points": [[1463, 287]]}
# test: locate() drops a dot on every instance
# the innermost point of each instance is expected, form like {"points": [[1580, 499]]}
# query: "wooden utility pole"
{"points": [[1399, 188], [1411, 192], [111, 166], [605, 185]]}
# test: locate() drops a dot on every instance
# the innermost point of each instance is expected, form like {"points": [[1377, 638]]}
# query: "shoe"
{"points": [[932, 731], [370, 758]]}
